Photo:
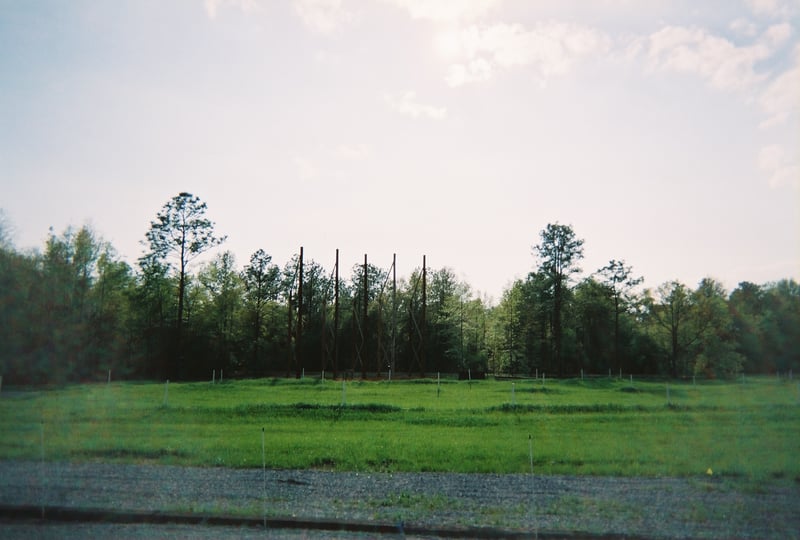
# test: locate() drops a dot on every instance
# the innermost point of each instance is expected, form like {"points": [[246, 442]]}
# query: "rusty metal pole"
{"points": [[336, 318], [424, 309], [364, 324], [289, 341], [461, 332], [298, 338], [323, 334], [394, 315]]}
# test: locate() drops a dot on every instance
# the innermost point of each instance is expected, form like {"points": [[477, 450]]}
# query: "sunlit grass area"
{"points": [[596, 426]]}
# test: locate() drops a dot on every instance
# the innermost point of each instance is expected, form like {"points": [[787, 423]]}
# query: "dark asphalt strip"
{"points": [[45, 514]]}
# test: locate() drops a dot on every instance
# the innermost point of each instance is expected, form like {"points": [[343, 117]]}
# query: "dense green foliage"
{"points": [[741, 430], [75, 310]]}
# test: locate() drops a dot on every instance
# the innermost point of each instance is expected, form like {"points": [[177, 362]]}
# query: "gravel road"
{"points": [[647, 507]]}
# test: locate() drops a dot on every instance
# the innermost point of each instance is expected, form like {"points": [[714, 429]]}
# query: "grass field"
{"points": [[595, 426]]}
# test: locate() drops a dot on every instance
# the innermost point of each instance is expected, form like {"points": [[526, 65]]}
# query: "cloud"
{"points": [[407, 104], [474, 71], [781, 99], [782, 168], [777, 34], [445, 10], [728, 67], [323, 16], [213, 6], [720, 62], [744, 27], [550, 49], [770, 8]]}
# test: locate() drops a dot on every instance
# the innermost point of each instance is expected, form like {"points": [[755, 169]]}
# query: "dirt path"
{"points": [[665, 507]]}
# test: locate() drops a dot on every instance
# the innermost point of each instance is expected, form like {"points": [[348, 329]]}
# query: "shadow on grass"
{"points": [[596, 408], [131, 453], [316, 411], [544, 390], [593, 382]]}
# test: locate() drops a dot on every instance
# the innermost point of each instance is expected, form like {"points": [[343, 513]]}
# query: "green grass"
{"points": [[585, 427]]}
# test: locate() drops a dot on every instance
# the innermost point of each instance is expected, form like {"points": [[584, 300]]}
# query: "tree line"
{"points": [[75, 310]]}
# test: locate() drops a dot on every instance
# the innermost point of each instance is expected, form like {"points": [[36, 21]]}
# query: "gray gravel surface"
{"points": [[81, 531], [651, 507]]}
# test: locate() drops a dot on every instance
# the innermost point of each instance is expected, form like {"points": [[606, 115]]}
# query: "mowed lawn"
{"points": [[597, 426]]}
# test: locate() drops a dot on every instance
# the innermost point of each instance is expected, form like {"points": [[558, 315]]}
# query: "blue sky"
{"points": [[665, 132]]}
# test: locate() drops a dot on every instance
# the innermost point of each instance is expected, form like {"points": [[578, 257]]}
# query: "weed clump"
{"points": [[594, 408]]}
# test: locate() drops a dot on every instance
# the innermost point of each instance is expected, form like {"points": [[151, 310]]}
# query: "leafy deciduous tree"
{"points": [[222, 284], [715, 349], [670, 309]]}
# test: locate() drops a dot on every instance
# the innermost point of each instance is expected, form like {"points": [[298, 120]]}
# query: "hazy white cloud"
{"points": [[729, 67], [474, 71], [723, 64], [772, 8], [781, 167], [744, 27], [781, 99], [323, 16], [213, 6], [549, 49], [407, 104], [777, 34], [446, 10]]}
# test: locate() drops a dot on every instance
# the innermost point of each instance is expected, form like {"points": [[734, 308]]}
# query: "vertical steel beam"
{"points": [[336, 318], [394, 313], [424, 310], [364, 323], [299, 336]]}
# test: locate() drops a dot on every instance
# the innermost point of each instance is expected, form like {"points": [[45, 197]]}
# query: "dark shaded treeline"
{"points": [[75, 310]]}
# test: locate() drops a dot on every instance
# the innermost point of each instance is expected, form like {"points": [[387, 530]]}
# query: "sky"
{"points": [[665, 132]]}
